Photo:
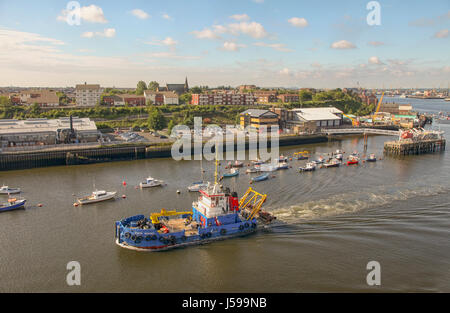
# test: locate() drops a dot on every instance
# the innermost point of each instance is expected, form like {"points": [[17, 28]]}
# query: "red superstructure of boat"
{"points": [[353, 160]]}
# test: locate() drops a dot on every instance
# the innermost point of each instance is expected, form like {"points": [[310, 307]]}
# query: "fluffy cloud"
{"points": [[252, 29], [342, 44], [275, 46], [240, 17], [140, 14], [108, 32], [205, 34], [298, 22], [166, 16], [232, 46], [91, 14], [285, 71], [375, 60], [441, 34]]}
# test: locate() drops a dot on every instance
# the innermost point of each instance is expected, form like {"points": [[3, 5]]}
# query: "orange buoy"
{"points": [[124, 183], [124, 196], [40, 205], [75, 204]]}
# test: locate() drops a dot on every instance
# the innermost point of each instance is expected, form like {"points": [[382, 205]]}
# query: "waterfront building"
{"points": [[87, 95], [42, 131], [322, 117], [256, 118]]}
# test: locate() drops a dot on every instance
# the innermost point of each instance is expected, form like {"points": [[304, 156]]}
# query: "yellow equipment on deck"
{"points": [[303, 152], [253, 201], [155, 216]]}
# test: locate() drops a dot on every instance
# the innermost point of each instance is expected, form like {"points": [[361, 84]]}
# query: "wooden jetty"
{"points": [[408, 147]]}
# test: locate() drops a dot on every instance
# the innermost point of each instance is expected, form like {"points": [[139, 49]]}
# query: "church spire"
{"points": [[186, 86]]}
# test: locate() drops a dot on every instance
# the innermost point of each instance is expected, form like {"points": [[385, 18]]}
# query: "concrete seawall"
{"points": [[67, 156]]}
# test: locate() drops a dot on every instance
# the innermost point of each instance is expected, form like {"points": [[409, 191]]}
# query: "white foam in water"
{"points": [[351, 202]]}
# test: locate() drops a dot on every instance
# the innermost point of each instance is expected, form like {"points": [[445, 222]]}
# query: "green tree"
{"points": [[196, 89], [305, 95], [153, 85], [186, 98], [141, 86], [156, 119], [170, 126]]}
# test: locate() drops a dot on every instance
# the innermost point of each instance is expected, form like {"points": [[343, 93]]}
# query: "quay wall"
{"points": [[75, 156]]}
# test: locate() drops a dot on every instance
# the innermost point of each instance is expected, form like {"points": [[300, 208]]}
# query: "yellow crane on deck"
{"points": [[378, 107]]}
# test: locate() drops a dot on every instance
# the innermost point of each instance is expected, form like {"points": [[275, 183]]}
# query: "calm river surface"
{"points": [[332, 223]]}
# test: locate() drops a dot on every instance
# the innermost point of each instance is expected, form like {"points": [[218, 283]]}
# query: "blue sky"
{"points": [[322, 44]]}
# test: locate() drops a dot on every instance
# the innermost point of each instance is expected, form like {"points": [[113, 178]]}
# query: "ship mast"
{"points": [[215, 172]]}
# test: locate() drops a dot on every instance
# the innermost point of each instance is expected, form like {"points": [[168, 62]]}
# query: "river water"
{"points": [[331, 224]]}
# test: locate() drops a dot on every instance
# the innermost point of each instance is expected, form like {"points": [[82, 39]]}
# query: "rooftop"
{"points": [[44, 125], [318, 114]]}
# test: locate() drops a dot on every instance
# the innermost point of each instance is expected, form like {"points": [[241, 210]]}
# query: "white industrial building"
{"points": [[41, 131], [323, 117]]}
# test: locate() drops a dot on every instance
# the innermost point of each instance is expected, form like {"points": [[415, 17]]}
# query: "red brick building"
{"points": [[288, 97], [223, 99]]}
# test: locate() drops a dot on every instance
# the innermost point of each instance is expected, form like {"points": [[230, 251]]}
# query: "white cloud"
{"points": [[252, 29], [285, 71], [375, 60], [92, 14], [343, 44], [298, 22], [232, 46], [166, 16], [168, 41], [205, 34], [275, 46], [240, 17], [441, 34], [108, 32], [140, 14], [258, 1]]}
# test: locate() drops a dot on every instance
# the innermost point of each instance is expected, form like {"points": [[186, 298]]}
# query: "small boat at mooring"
{"points": [[197, 186], [371, 158], [5, 190], [353, 160], [309, 167], [12, 204], [252, 170], [237, 164], [97, 196], [332, 163], [151, 182], [320, 160], [234, 172], [282, 166], [301, 155], [260, 177]]}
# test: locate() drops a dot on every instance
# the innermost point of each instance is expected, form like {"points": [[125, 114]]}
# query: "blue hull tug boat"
{"points": [[216, 215]]}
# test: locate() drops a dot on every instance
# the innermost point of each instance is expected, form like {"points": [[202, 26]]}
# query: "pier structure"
{"points": [[408, 147]]}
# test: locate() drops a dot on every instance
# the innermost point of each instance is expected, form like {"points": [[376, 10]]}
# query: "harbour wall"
{"points": [[75, 156]]}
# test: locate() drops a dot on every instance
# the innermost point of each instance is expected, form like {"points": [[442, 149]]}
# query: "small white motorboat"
{"points": [[97, 196], [5, 190], [12, 204], [253, 170], [197, 186], [310, 166], [151, 182]]}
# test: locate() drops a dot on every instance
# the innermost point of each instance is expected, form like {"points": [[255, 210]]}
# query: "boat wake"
{"points": [[351, 202]]}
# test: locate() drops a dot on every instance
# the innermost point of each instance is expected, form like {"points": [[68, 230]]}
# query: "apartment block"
{"points": [[87, 95]]}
